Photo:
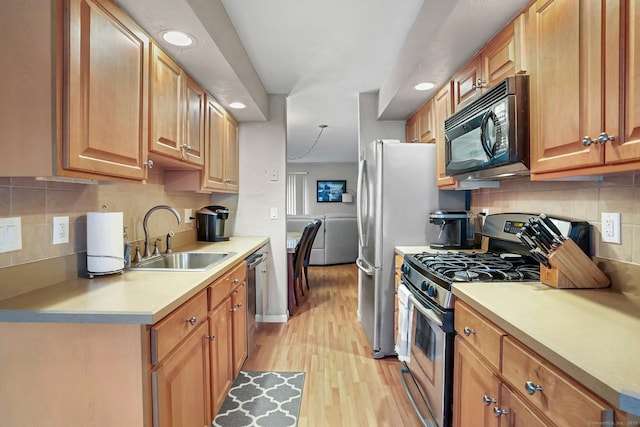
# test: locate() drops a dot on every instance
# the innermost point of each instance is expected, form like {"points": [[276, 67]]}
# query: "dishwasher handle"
{"points": [[254, 260]]}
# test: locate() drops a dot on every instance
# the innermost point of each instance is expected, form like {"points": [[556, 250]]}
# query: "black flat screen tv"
{"points": [[330, 190]]}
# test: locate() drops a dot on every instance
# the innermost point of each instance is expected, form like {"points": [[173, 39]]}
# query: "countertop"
{"points": [[591, 334], [135, 297]]}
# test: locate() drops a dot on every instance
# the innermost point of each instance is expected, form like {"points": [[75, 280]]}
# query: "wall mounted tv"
{"points": [[330, 190]]}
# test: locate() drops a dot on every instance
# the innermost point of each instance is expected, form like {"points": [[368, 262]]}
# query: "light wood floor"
{"points": [[344, 385]]}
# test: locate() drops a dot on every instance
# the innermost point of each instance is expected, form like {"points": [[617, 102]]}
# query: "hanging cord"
{"points": [[322, 127]]}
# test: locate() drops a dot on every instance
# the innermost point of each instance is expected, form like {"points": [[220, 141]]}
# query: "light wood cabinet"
{"points": [[194, 128], [221, 169], [180, 384], [503, 383], [420, 127], [442, 110], [412, 130], [586, 50], [54, 114], [503, 56], [227, 305]]}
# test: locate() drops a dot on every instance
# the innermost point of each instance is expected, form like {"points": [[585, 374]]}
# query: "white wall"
{"points": [[370, 128], [263, 148], [327, 171]]}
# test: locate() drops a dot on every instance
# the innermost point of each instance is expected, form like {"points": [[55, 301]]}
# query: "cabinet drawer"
{"points": [[479, 333], [170, 331], [559, 397], [222, 288]]}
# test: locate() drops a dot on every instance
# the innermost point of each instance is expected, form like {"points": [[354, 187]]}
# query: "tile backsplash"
{"points": [[37, 202]]}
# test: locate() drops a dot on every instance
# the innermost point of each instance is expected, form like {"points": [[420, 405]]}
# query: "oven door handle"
{"points": [[427, 312]]}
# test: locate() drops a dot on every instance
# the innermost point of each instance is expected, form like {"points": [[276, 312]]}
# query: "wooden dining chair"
{"points": [[307, 256], [298, 259]]}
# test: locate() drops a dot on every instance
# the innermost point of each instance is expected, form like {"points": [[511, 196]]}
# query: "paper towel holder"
{"points": [[105, 258]]}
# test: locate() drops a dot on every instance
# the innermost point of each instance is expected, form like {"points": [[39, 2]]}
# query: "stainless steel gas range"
{"points": [[427, 375]]}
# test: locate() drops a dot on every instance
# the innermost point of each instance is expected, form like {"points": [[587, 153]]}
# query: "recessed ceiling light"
{"points": [[237, 105], [178, 38], [424, 86]]}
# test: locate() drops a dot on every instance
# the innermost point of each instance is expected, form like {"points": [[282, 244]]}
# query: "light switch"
{"points": [[273, 175], [10, 234], [274, 213]]}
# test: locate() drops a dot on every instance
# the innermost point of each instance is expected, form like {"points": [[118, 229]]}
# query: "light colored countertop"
{"points": [[591, 334], [135, 297]]}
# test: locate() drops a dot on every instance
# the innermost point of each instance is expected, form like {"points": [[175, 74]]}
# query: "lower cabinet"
{"points": [[220, 325], [499, 382]]}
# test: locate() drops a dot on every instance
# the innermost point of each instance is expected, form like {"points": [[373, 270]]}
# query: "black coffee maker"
{"points": [[211, 224], [454, 230]]}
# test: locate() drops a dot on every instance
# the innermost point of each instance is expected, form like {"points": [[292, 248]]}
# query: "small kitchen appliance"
{"points": [[489, 138], [211, 224], [452, 230], [428, 276]]}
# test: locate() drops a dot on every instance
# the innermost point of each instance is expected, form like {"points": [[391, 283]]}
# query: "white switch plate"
{"points": [[60, 230], [187, 216], [273, 175], [274, 213], [611, 227], [10, 234]]}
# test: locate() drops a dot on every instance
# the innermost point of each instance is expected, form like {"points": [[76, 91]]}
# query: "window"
{"points": [[296, 193]]}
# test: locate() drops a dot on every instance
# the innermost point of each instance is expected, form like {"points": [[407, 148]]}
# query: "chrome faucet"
{"points": [[147, 249]]}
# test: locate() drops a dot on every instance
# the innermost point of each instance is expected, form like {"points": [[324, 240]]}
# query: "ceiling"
{"points": [[321, 54]]}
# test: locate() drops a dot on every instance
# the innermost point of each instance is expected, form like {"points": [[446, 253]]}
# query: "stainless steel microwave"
{"points": [[489, 138]]}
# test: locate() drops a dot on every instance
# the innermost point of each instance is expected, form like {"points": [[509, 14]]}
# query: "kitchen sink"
{"points": [[183, 261]]}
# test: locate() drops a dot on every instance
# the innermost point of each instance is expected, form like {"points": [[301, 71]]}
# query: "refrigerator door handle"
{"points": [[364, 266], [361, 198]]}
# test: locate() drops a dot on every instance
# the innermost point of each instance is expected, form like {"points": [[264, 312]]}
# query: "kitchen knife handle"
{"points": [[547, 221]]}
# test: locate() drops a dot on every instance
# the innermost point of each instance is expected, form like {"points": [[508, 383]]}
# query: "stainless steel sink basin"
{"points": [[183, 261]]}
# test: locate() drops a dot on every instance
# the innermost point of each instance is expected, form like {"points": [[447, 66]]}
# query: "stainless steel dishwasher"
{"points": [[256, 269]]}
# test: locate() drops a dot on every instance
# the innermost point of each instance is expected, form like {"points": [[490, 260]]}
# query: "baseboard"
{"points": [[271, 318]]}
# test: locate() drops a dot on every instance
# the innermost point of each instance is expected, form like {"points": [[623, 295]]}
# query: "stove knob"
{"points": [[432, 291], [423, 285], [404, 269]]}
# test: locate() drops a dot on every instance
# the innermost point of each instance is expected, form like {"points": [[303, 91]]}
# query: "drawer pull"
{"points": [[488, 400], [468, 331], [236, 281], [234, 309], [210, 337], [531, 387], [192, 320], [239, 305], [497, 411]]}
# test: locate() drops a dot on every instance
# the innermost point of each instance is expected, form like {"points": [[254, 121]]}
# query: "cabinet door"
{"points": [[106, 83], [221, 353], [442, 110], [566, 82], [518, 413], [627, 144], [426, 123], [502, 57], [194, 129], [467, 84], [412, 128], [476, 389], [180, 385], [214, 140], [231, 155], [239, 303], [167, 104]]}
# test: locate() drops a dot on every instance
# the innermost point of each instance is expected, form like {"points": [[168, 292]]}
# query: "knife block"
{"points": [[572, 269]]}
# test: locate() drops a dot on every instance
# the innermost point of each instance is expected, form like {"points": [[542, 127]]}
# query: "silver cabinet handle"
{"points": [[187, 147], [468, 331], [602, 139], [192, 320], [210, 337], [497, 411], [488, 400], [239, 305], [149, 164], [236, 281], [234, 309], [531, 387]]}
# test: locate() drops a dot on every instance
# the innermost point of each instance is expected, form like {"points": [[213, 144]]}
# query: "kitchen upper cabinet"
{"points": [[503, 56], [587, 121], [221, 138], [412, 129], [176, 114], [86, 66], [420, 127], [442, 110]]}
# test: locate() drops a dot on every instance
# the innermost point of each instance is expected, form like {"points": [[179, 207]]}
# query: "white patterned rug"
{"points": [[264, 399]]}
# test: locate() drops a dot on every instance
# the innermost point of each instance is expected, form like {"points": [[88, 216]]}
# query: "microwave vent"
{"points": [[486, 100]]}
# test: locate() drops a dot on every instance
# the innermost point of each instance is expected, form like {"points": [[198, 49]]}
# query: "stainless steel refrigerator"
{"points": [[396, 191]]}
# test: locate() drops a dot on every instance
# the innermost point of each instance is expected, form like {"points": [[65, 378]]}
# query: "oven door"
{"points": [[424, 378]]}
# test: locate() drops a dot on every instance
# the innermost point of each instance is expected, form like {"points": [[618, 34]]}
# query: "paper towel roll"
{"points": [[105, 242]]}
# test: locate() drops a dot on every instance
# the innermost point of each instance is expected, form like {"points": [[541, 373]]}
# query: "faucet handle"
{"points": [[137, 257], [169, 236], [156, 249]]}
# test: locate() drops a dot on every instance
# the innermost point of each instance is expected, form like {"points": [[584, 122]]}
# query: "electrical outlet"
{"points": [[187, 216], [60, 230], [611, 227]]}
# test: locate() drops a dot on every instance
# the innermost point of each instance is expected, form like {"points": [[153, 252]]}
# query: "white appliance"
{"points": [[396, 191]]}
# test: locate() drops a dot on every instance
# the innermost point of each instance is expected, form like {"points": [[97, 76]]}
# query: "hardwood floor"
{"points": [[344, 385]]}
